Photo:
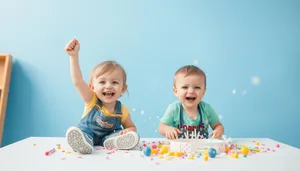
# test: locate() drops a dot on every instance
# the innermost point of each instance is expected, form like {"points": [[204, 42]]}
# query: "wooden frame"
{"points": [[5, 73]]}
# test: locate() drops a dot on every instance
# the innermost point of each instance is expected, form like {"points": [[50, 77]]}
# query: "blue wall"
{"points": [[231, 40]]}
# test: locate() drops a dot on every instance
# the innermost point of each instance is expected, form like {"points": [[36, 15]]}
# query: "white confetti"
{"points": [[234, 91], [157, 117], [133, 109], [155, 130], [255, 80], [220, 117], [196, 62], [142, 112]]}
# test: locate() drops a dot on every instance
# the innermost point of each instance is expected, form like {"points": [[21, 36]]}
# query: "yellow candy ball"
{"points": [[245, 150]]}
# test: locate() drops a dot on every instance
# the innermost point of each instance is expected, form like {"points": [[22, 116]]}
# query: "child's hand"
{"points": [[72, 48], [172, 133], [217, 133], [124, 131]]}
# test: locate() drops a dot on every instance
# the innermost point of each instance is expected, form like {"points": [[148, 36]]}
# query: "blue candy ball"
{"points": [[147, 151], [212, 152]]}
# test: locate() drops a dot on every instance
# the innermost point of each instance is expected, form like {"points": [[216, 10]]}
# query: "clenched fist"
{"points": [[72, 48]]}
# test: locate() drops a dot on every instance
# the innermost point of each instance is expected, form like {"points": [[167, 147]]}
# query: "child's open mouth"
{"points": [[108, 94], [190, 98]]}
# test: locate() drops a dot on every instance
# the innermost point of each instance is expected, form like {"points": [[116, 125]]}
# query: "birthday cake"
{"points": [[196, 145]]}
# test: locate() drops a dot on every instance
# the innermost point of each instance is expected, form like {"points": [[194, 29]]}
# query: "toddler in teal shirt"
{"points": [[190, 116]]}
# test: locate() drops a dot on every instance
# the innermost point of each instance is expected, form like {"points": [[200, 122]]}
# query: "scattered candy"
{"points": [[164, 149], [147, 151], [154, 151], [153, 146], [277, 145], [245, 150], [48, 153], [212, 152]]}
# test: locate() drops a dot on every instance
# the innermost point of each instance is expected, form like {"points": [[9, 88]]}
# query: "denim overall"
{"points": [[201, 132], [99, 127]]}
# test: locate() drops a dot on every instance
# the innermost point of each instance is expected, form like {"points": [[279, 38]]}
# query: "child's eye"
{"points": [[197, 87], [115, 82], [101, 82], [184, 87]]}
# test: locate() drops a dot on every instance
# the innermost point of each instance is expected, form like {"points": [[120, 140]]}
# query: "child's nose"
{"points": [[190, 90], [108, 85]]}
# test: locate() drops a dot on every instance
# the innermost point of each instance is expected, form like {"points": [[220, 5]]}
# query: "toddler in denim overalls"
{"points": [[105, 120]]}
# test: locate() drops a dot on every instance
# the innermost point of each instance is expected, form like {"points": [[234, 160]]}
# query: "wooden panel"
{"points": [[5, 73]]}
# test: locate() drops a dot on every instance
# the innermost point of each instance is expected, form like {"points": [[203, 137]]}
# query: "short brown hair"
{"points": [[105, 67], [190, 70]]}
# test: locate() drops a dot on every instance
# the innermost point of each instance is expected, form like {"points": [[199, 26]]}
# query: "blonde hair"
{"points": [[106, 67], [190, 70]]}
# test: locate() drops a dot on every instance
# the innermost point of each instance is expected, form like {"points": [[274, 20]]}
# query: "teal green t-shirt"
{"points": [[172, 116]]}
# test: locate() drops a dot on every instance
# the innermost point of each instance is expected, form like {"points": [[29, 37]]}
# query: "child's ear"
{"points": [[124, 88], [175, 91], [204, 91], [91, 87]]}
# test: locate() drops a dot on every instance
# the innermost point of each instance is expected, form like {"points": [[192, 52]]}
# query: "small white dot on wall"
{"points": [[155, 130], [220, 117], [133, 109], [244, 92], [157, 117], [234, 91], [142, 112], [196, 62], [255, 80]]}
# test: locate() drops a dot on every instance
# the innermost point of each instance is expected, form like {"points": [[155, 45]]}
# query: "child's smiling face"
{"points": [[109, 86], [189, 89]]}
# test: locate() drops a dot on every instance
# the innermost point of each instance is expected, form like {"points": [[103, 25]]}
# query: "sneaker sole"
{"points": [[122, 142], [77, 142]]}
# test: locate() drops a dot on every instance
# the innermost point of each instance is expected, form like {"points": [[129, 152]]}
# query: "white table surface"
{"points": [[23, 156]]}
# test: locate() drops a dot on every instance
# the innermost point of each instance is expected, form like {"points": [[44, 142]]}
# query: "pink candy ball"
{"points": [[277, 145]]}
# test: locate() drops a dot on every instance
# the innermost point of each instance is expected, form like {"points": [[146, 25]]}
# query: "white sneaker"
{"points": [[78, 141], [123, 142]]}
